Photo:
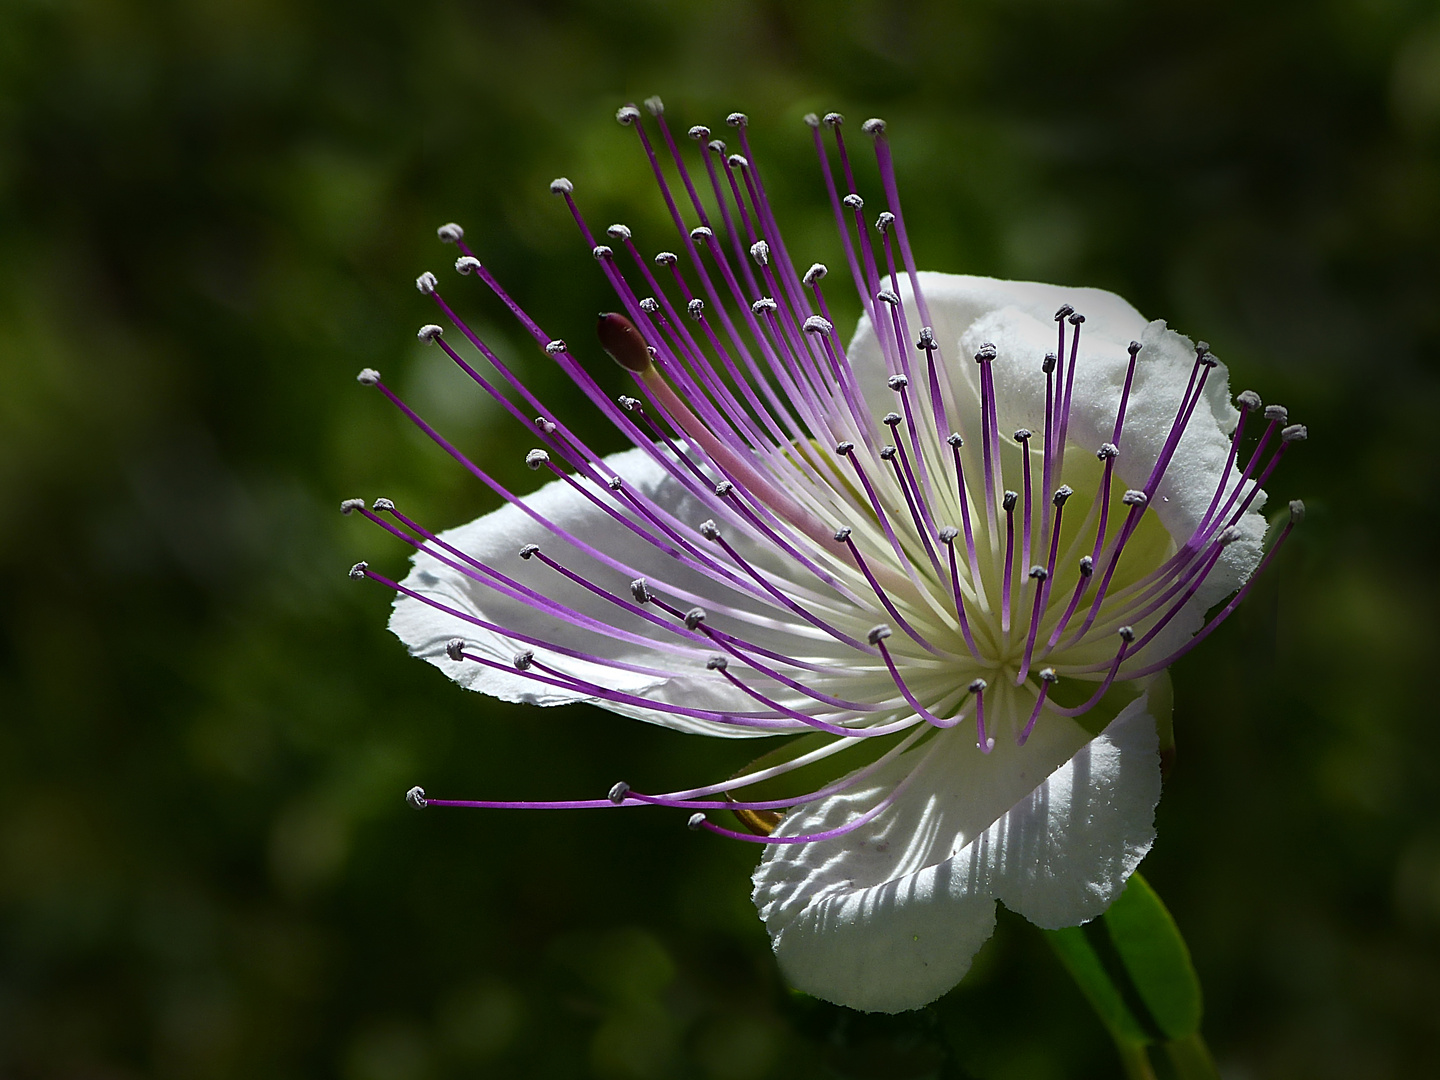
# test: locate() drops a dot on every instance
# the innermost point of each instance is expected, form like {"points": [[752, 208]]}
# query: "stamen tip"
{"points": [[426, 283], [696, 820], [1248, 400], [383, 506], [717, 663], [709, 530], [843, 533], [811, 120], [1127, 634], [834, 119], [640, 590], [427, 334], [617, 793], [694, 617], [350, 505], [655, 106], [897, 382], [978, 686], [1297, 511], [1133, 348], [873, 126], [561, 185], [878, 634], [450, 233], [455, 649], [1294, 433], [627, 115], [466, 264], [760, 252], [368, 377], [535, 458], [358, 570], [737, 119], [1277, 414], [1062, 493], [699, 133], [416, 797], [528, 551], [523, 659], [815, 273], [618, 232]]}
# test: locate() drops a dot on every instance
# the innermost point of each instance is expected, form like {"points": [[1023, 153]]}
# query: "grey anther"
{"points": [[764, 304], [1021, 434], [811, 120], [1048, 675], [694, 617], [760, 252], [416, 797], [666, 258], [617, 793], [615, 483], [878, 634], [1248, 400], [979, 686], [1048, 364], [948, 533], [897, 382], [529, 550], [1277, 414], [1065, 309], [640, 590], [1294, 433], [1009, 500], [815, 273], [723, 488], [1134, 498], [556, 347], [358, 570], [853, 201], [843, 533], [702, 233], [845, 449], [523, 659], [427, 334], [715, 146], [709, 530], [618, 232], [655, 106], [368, 377], [1127, 634], [737, 119], [450, 233], [602, 251], [1133, 348], [696, 820], [986, 353], [1039, 573], [627, 114], [351, 505], [873, 126], [927, 338], [1107, 451], [699, 132], [1076, 319], [1230, 536], [1201, 348], [888, 296], [955, 440], [455, 649], [467, 264], [738, 161], [696, 309], [561, 186], [817, 325], [1087, 566], [383, 506], [426, 283], [535, 458], [834, 119], [629, 404], [884, 220], [891, 419], [887, 453], [1062, 493], [545, 424], [1297, 511], [717, 663]]}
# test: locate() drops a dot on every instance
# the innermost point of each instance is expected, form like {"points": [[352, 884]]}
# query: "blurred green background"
{"points": [[211, 214]]}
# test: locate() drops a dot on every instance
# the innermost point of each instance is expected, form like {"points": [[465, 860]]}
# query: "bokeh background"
{"points": [[211, 214]]}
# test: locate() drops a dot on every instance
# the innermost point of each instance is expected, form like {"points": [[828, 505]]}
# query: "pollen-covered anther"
{"points": [[545, 424], [760, 252], [843, 533], [615, 483], [1277, 414], [696, 309], [556, 347], [717, 663], [654, 105], [629, 404], [1134, 348], [1009, 500], [834, 119], [450, 233], [1107, 451], [738, 161], [897, 382], [845, 449], [887, 453], [709, 530], [350, 505], [955, 440], [1248, 400], [811, 119], [368, 377], [416, 797], [1062, 493], [1134, 498], [1294, 433], [618, 232], [523, 659], [815, 273], [853, 201], [649, 305], [640, 590], [1087, 566], [383, 506], [535, 458], [427, 334], [716, 147], [467, 264], [358, 570], [696, 820], [702, 234], [1297, 511], [622, 342], [666, 258], [617, 792], [891, 419], [878, 634], [884, 220], [764, 304], [723, 488], [817, 325], [528, 550], [888, 296], [985, 354], [455, 649], [873, 126], [602, 251], [1048, 675], [1039, 573], [1021, 434], [927, 338], [948, 533], [1076, 319], [1230, 536], [1127, 634], [1065, 309], [699, 132], [561, 186], [694, 617], [737, 119], [978, 686], [1048, 364], [426, 283], [627, 114]]}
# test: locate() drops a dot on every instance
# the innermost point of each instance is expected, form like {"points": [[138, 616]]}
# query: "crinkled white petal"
{"points": [[889, 918]]}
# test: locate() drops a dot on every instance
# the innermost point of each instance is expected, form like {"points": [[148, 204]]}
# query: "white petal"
{"points": [[889, 918]]}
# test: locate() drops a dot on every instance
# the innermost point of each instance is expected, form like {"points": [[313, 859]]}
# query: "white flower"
{"points": [[954, 556]]}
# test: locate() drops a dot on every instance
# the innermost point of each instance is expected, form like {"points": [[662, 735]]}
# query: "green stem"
{"points": [[1135, 1060], [1191, 1060]]}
